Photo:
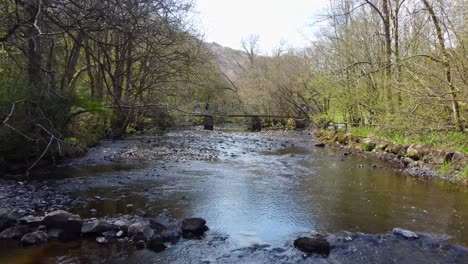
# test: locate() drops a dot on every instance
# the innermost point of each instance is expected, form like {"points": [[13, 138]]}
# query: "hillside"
{"points": [[230, 61]]}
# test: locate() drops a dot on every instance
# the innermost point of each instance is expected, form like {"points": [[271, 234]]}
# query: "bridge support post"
{"points": [[256, 124], [208, 122], [301, 123]]}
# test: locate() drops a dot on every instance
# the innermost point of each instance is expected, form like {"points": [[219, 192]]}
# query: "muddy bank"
{"points": [[419, 160]]}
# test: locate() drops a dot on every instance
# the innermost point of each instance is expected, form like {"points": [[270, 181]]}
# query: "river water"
{"points": [[255, 190]]}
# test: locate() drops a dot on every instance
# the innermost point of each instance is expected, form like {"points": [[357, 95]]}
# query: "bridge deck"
{"points": [[241, 115]]}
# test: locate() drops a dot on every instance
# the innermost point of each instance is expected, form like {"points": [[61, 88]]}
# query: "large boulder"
{"points": [[64, 220], [36, 238], [97, 228], [397, 149], [15, 232], [193, 227], [7, 219], [313, 245], [417, 151]]}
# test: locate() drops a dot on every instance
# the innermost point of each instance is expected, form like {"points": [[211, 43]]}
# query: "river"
{"points": [[257, 191]]}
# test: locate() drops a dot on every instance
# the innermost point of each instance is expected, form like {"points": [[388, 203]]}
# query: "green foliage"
{"points": [[72, 140], [130, 130], [290, 123]]}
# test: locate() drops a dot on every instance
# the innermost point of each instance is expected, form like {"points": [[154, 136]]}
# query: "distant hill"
{"points": [[230, 61]]}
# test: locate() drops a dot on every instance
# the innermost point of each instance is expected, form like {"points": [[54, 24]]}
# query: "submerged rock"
{"points": [[313, 245], [57, 234], [404, 233], [36, 238]]}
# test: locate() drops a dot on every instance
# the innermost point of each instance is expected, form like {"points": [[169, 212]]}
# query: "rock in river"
{"points": [[35, 238], [156, 244], [140, 231], [404, 233], [66, 221], [193, 227], [31, 220], [97, 227], [313, 245]]}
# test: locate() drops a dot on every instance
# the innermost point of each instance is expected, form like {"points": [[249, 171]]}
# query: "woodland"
{"points": [[74, 72]]}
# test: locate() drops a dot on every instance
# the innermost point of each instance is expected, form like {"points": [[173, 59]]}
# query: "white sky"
{"points": [[228, 21]]}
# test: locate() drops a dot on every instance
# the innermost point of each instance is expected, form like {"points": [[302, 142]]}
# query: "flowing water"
{"points": [[253, 189]]}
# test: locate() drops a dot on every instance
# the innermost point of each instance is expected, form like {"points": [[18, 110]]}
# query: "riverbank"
{"points": [[419, 160]]}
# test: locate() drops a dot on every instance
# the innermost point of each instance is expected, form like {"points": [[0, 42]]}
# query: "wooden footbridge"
{"points": [[253, 113]]}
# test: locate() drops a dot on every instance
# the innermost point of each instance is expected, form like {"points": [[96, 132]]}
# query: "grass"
{"points": [[445, 169], [450, 139], [463, 175], [362, 131]]}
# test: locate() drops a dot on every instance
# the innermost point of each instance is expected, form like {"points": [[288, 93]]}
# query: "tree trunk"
{"points": [[447, 66]]}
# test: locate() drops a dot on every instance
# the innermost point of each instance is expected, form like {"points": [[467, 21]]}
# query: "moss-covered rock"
{"points": [[418, 151], [396, 148]]}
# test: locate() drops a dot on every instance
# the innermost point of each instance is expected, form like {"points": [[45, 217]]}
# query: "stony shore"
{"points": [[419, 160]]}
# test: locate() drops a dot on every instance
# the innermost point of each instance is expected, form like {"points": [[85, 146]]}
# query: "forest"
{"points": [[74, 72]]}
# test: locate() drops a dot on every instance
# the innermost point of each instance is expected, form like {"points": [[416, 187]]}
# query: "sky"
{"points": [[227, 22]]}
